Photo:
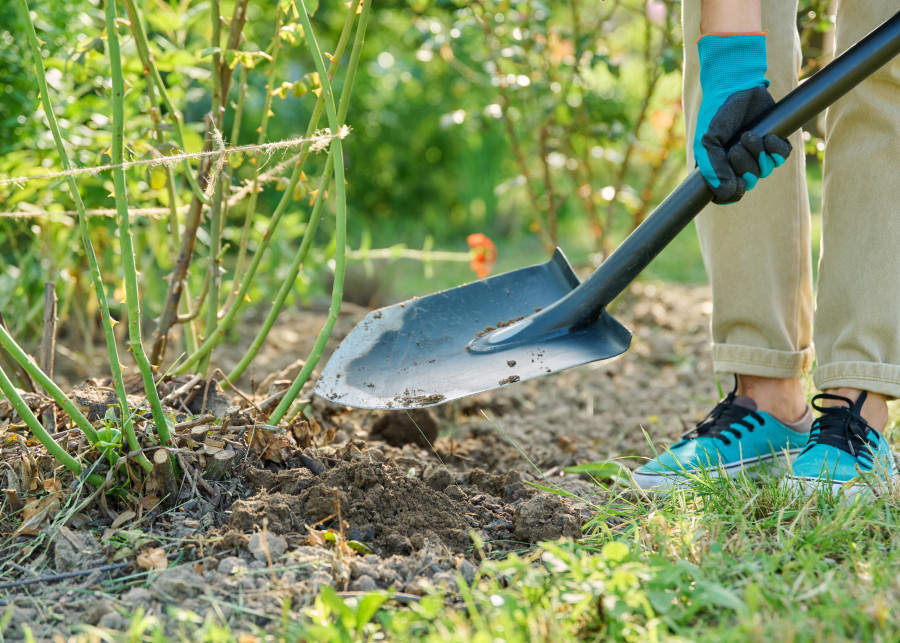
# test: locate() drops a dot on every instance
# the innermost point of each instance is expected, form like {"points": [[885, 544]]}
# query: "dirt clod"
{"points": [[546, 518]]}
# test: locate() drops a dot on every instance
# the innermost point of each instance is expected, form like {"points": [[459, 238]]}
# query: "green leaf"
{"points": [[360, 547], [557, 491], [615, 551], [604, 470], [368, 607]]}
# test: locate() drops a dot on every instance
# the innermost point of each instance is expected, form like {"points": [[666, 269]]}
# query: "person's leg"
{"points": [[756, 251], [757, 256], [857, 319], [857, 323]]}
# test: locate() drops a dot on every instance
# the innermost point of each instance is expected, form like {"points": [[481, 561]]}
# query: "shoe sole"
{"points": [[807, 486], [677, 481]]}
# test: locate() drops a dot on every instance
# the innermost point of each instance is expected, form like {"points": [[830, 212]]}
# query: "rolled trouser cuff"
{"points": [[865, 376], [761, 362]]}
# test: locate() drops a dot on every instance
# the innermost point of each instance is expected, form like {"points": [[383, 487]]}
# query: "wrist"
{"points": [[732, 62]]}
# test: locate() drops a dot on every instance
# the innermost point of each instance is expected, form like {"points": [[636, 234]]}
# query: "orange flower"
{"points": [[484, 254]]}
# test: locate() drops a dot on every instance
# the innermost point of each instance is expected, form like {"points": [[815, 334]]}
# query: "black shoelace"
{"points": [[844, 428], [719, 423]]}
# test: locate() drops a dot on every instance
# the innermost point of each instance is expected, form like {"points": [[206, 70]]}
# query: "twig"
{"points": [[181, 390], [234, 388], [67, 575], [48, 347], [199, 421]]}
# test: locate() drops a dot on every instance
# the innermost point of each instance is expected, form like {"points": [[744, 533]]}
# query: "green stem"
{"points": [[340, 218], [300, 256], [143, 48], [263, 127], [8, 343], [240, 299], [7, 388], [96, 279], [215, 218], [117, 153]]}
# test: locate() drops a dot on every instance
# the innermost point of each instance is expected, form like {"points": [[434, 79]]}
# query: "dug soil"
{"points": [[355, 499]]}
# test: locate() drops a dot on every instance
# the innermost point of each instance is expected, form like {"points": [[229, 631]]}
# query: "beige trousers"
{"points": [[757, 252]]}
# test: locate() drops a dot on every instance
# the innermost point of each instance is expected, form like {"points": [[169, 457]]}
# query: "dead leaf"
{"points": [[122, 518], [52, 485], [152, 558], [37, 512], [149, 501]]}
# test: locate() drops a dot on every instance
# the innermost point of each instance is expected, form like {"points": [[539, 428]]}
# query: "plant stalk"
{"points": [[10, 345], [132, 297], [340, 218], [240, 299], [143, 48], [300, 256], [7, 388], [96, 279]]}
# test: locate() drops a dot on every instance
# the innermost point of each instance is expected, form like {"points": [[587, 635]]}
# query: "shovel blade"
{"points": [[413, 354]]}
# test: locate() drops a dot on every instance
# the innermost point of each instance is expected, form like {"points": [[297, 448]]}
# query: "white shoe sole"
{"points": [[752, 467], [807, 486]]}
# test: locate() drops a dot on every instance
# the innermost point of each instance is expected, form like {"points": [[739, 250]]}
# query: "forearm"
{"points": [[730, 16]]}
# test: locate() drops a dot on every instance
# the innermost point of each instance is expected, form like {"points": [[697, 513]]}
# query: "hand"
{"points": [[735, 92]]}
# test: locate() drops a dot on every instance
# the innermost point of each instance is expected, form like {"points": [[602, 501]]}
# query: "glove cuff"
{"points": [[731, 63]]}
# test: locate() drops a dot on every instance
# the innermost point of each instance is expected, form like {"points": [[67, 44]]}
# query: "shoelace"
{"points": [[844, 428], [721, 420]]}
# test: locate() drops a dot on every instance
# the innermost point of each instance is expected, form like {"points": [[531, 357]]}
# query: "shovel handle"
{"points": [[585, 303]]}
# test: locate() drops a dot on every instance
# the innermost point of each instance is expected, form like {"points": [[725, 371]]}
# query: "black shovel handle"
{"points": [[587, 301]]}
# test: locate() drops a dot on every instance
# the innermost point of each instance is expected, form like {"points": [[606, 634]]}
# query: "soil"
{"points": [[355, 499]]}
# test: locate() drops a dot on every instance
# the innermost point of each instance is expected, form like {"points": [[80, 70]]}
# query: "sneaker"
{"points": [[734, 438], [844, 454]]}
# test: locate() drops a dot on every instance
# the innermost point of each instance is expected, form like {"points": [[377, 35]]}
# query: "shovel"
{"points": [[539, 320]]}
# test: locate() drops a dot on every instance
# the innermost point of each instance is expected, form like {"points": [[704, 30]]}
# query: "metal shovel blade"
{"points": [[414, 354]]}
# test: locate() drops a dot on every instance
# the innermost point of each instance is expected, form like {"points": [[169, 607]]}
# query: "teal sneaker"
{"points": [[844, 455], [734, 438]]}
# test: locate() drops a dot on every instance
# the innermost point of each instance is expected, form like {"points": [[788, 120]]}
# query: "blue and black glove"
{"points": [[735, 92]]}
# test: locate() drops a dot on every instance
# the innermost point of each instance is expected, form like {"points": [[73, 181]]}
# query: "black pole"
{"points": [[588, 300]]}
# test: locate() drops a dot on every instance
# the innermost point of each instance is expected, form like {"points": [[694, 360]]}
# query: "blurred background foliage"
{"points": [[535, 123]]}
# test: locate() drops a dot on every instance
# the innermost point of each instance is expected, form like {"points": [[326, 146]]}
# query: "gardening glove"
{"points": [[735, 92]]}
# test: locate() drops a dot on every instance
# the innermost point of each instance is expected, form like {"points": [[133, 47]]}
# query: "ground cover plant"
{"points": [[183, 187]]}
